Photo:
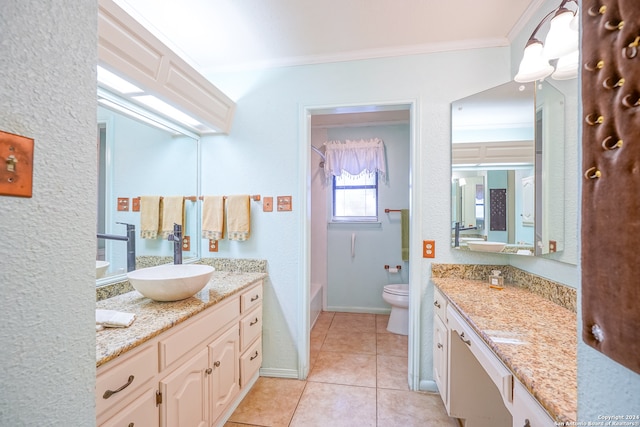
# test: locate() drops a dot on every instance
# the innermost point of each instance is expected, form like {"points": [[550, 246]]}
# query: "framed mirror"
{"points": [[140, 154], [506, 165]]}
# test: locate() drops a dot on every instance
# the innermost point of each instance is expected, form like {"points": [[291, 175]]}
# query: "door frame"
{"points": [[415, 187]]}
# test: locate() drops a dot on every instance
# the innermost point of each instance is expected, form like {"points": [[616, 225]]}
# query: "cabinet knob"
{"points": [[130, 425], [439, 345], [217, 364], [208, 371], [527, 423], [466, 341]]}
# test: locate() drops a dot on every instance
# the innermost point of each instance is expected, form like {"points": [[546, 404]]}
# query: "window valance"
{"points": [[355, 157]]}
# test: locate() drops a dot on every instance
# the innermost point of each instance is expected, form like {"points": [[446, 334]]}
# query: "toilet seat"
{"points": [[401, 290]]}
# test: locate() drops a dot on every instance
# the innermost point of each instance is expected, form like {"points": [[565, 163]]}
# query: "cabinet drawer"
{"points": [[439, 304], [121, 378], [250, 327], [526, 408], [499, 374], [211, 322], [251, 298], [250, 362], [141, 412]]}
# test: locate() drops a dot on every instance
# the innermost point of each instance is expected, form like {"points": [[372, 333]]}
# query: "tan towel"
{"points": [[149, 216], [213, 217], [238, 217], [171, 212]]}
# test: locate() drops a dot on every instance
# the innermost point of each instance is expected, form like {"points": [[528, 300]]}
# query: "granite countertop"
{"points": [[154, 317], [546, 364]]}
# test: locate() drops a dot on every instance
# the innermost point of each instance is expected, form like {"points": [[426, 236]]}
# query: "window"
{"points": [[355, 198]]}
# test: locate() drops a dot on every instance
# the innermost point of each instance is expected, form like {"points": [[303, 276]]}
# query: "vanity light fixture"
{"points": [[560, 46]]}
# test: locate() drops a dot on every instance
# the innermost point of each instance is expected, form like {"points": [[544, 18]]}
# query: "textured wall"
{"points": [[47, 361], [261, 155]]}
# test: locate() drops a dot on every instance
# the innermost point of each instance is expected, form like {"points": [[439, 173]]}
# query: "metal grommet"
{"points": [[613, 27], [628, 102], [595, 10], [631, 51], [594, 119], [609, 84], [610, 143], [590, 66], [592, 173]]}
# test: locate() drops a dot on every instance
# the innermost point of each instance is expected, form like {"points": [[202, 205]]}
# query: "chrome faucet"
{"points": [[176, 238], [457, 227], [130, 238]]}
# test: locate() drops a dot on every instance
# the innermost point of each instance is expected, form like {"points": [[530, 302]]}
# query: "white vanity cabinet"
{"points": [[189, 375], [475, 385], [440, 346]]}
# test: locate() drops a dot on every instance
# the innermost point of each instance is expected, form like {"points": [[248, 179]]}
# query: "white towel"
{"points": [[213, 217], [171, 212], [114, 319]]}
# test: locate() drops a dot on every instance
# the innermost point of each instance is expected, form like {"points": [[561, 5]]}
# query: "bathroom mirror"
{"points": [[140, 154], [510, 138]]}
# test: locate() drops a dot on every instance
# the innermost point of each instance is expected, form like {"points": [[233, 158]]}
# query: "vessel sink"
{"points": [[171, 282], [483, 246], [101, 268]]}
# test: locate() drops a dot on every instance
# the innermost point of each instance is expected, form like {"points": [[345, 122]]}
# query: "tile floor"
{"points": [[358, 377]]}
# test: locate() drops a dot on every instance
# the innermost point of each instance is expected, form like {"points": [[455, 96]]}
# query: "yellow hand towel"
{"points": [[213, 217], [171, 212], [149, 216], [238, 217]]}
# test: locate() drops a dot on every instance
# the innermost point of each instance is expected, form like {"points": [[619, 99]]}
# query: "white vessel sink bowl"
{"points": [[101, 268], [170, 282], [486, 246]]}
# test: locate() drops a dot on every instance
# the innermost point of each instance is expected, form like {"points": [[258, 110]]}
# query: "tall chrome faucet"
{"points": [[130, 238], [176, 237]]}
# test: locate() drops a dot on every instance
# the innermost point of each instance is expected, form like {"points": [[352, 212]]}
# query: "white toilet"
{"points": [[398, 297]]}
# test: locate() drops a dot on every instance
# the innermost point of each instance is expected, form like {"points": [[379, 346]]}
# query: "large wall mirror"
{"points": [[508, 171], [140, 154]]}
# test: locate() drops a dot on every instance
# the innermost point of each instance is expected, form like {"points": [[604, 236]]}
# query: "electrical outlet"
{"points": [[213, 245], [428, 249]]}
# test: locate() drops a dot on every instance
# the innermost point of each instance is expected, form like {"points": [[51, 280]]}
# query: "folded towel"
{"points": [[404, 226], [114, 319], [238, 217], [171, 212], [213, 217], [149, 216]]}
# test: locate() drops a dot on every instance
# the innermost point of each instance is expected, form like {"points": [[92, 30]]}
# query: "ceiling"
{"points": [[227, 35]]}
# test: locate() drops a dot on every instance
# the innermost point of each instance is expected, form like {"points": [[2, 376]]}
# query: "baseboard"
{"points": [[428, 385], [278, 373], [365, 310]]}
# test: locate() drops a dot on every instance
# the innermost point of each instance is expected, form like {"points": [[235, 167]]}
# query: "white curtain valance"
{"points": [[355, 157]]}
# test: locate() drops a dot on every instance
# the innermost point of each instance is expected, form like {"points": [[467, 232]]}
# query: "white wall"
{"points": [[47, 270], [262, 152]]}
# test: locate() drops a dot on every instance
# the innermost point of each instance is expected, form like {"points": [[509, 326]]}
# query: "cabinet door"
{"points": [[225, 374], [440, 354], [185, 394], [142, 412]]}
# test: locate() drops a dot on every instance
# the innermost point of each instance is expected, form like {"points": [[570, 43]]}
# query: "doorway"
{"points": [[318, 124]]}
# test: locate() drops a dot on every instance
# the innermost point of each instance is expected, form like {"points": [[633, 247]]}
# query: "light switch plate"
{"points": [[123, 204], [16, 165], [267, 204]]}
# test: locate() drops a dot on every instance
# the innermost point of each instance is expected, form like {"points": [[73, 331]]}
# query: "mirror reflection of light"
{"points": [[116, 82]]}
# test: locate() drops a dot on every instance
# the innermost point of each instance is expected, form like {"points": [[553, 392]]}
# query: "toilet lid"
{"points": [[397, 289]]}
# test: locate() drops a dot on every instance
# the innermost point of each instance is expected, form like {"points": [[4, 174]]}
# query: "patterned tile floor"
{"points": [[358, 377]]}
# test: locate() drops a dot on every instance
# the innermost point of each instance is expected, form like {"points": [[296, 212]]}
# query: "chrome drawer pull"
{"points": [[436, 303], [254, 322], [467, 342], [255, 298], [253, 357], [439, 345], [107, 394]]}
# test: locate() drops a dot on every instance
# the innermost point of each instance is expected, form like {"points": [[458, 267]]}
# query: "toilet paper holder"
{"points": [[398, 267]]}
